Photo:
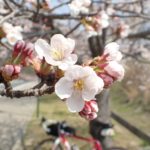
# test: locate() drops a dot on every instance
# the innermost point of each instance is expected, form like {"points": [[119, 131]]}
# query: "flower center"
{"points": [[57, 55], [78, 85]]}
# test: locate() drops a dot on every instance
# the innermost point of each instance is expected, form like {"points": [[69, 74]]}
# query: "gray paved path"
{"points": [[14, 117]]}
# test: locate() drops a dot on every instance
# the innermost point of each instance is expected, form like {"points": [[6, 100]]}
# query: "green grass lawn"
{"points": [[132, 112]]}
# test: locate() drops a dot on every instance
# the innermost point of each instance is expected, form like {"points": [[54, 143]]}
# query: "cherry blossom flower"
{"points": [[58, 53], [115, 70], [95, 24], [90, 110], [77, 6], [10, 72], [79, 84], [13, 33], [111, 52]]}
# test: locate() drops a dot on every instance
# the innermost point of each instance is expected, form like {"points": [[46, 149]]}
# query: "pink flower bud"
{"points": [[115, 70], [18, 47], [10, 72], [22, 52], [94, 105], [90, 110], [92, 116], [108, 80], [87, 108]]}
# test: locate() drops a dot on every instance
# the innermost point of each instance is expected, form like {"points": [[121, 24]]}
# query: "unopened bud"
{"points": [[94, 105], [22, 52], [90, 110], [92, 116], [115, 70], [108, 80], [10, 72], [18, 48]]}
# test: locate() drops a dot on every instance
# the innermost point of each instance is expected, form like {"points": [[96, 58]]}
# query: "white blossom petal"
{"points": [[113, 46], [64, 88], [75, 103], [112, 49], [75, 72], [42, 48], [51, 61], [92, 86], [60, 43], [13, 38], [69, 61], [72, 59], [115, 70]]}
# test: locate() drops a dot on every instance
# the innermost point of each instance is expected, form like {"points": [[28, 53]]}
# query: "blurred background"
{"points": [[126, 22]]}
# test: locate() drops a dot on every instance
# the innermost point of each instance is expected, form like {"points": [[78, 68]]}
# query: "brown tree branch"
{"points": [[28, 92], [66, 16], [73, 29]]}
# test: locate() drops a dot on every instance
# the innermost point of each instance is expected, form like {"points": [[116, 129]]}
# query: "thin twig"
{"points": [[8, 5], [60, 5], [73, 29], [39, 85]]}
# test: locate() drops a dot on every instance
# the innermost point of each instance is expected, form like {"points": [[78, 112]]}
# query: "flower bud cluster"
{"points": [[90, 110], [22, 53], [107, 66], [10, 72], [95, 24], [55, 63]]}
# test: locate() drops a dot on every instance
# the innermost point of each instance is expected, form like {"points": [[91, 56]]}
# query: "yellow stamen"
{"points": [[78, 85], [57, 55]]}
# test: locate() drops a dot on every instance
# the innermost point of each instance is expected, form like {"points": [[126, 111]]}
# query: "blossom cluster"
{"points": [[78, 6], [95, 24], [78, 85]]}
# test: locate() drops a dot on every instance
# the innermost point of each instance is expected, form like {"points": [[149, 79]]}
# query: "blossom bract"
{"points": [[112, 52], [78, 84], [58, 53]]}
